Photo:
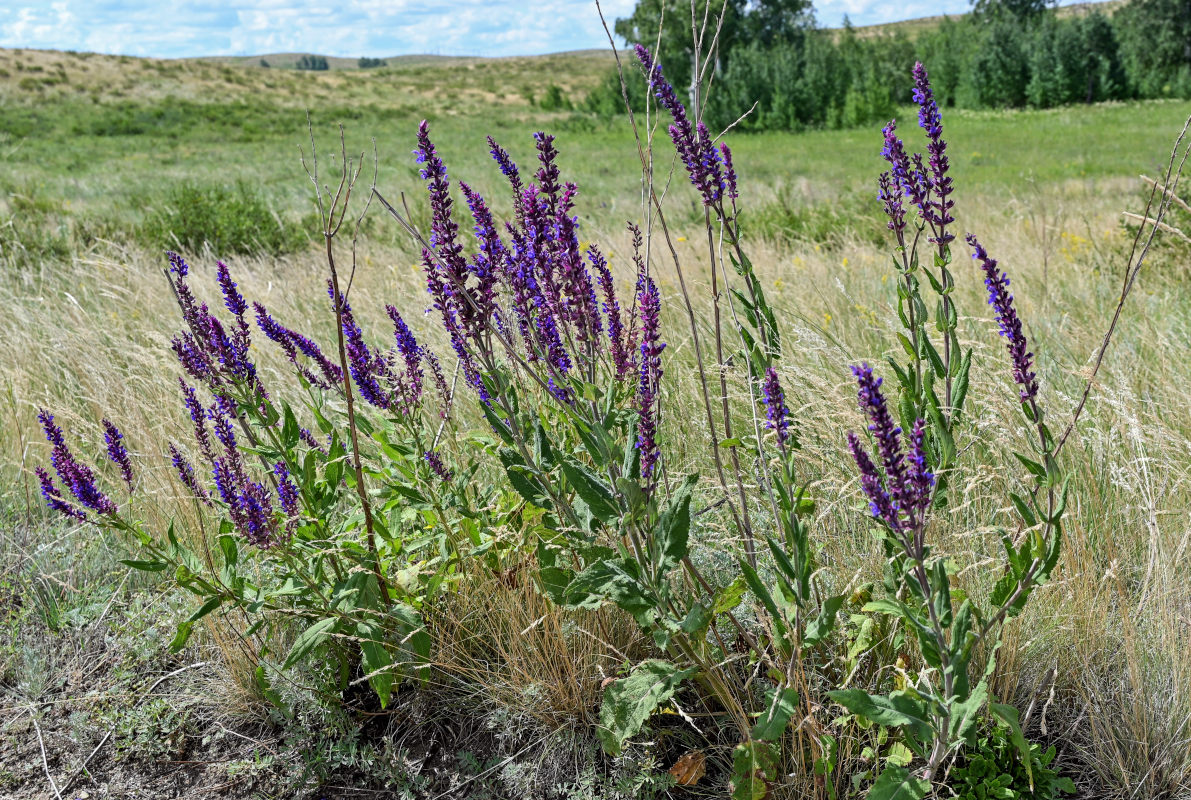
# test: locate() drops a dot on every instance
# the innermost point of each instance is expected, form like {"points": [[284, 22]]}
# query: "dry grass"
{"points": [[89, 338]]}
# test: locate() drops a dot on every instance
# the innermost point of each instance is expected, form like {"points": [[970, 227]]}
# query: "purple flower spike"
{"points": [[79, 478], [650, 304], [367, 369], [879, 503], [909, 180], [293, 344], [437, 466], [411, 352], [186, 475], [922, 480], [694, 146], [776, 413], [287, 494], [882, 427], [1015, 340], [507, 167], [621, 360], [54, 499], [117, 452], [729, 171], [902, 495], [892, 200], [931, 121]]}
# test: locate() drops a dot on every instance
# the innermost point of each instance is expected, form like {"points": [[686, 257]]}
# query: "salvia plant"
{"points": [[346, 499]]}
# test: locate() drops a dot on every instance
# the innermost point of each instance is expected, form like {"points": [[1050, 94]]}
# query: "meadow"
{"points": [[106, 162]]}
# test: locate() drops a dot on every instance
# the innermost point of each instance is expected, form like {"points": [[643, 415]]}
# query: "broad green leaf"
{"points": [[730, 596], [897, 710], [308, 640], [897, 783], [376, 662], [754, 769], [773, 721], [630, 701], [181, 636], [673, 529], [1008, 715], [206, 608], [824, 623], [595, 493]]}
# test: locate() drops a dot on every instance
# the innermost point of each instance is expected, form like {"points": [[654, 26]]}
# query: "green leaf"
{"points": [[772, 723], [145, 566], [595, 493], [630, 701], [673, 529], [824, 623], [1036, 469], [730, 596], [754, 769], [206, 608], [376, 662], [181, 636], [897, 783], [1008, 715], [897, 710], [308, 640], [521, 479]]}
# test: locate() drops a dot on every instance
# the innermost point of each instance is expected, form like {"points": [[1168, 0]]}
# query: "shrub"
{"points": [[233, 219], [342, 545], [369, 63], [313, 63]]}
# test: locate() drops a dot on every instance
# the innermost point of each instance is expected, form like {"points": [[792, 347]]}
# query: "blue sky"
{"points": [[353, 27]]}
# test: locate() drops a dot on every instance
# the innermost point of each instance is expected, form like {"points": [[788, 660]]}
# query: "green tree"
{"points": [[1155, 37], [671, 19], [997, 74]]}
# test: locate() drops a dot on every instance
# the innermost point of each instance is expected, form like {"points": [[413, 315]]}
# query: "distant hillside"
{"points": [[456, 84], [914, 27]]}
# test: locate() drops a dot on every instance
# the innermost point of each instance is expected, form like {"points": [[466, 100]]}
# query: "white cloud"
{"points": [[354, 27]]}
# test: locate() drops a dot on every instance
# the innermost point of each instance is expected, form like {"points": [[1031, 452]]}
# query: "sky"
{"points": [[354, 27]]}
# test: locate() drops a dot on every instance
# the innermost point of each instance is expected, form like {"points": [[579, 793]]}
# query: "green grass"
{"points": [[88, 163]]}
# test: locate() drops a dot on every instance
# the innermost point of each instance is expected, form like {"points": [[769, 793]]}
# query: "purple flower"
{"points": [[293, 343], [776, 413], [437, 466], [411, 352], [902, 494], [548, 172], [367, 369], [621, 360], [507, 167], [117, 452], [198, 417], [694, 145], [54, 499], [79, 478], [287, 494], [446, 268], [909, 180], [489, 262], [186, 475], [930, 120], [879, 503], [1010, 324], [729, 171], [650, 303], [922, 480], [892, 200]]}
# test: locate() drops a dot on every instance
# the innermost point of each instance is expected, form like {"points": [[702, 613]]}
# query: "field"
{"points": [[102, 159]]}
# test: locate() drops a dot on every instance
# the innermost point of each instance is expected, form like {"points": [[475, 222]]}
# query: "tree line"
{"points": [[1005, 54]]}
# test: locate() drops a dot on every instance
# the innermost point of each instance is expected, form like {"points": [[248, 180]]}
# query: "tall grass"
{"points": [[1102, 653]]}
